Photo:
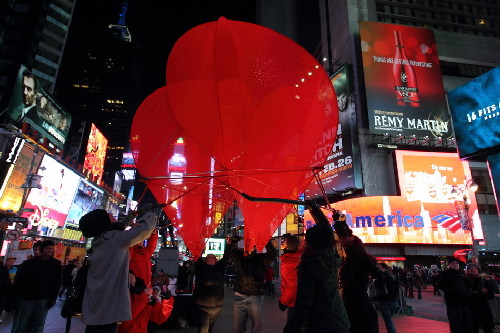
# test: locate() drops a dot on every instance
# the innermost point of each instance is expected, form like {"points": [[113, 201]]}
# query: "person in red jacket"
{"points": [[145, 305], [289, 262]]}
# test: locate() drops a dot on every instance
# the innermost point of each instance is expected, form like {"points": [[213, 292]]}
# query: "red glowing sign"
{"points": [[93, 166]]}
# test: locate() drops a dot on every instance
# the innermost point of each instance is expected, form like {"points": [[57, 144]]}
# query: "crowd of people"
{"points": [[321, 290]]}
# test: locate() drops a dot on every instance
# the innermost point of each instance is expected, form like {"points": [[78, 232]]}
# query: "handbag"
{"points": [[73, 304]]}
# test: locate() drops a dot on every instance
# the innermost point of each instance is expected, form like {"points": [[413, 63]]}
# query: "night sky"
{"points": [[154, 24]]}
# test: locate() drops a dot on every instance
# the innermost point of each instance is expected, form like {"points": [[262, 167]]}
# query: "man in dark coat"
{"points": [[36, 284], [209, 291], [355, 273], [318, 305], [457, 296], [248, 285]]}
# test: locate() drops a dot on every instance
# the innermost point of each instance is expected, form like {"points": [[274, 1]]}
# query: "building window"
{"points": [[485, 198]]}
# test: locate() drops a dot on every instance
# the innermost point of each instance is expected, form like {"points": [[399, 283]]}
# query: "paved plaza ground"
{"points": [[429, 316]]}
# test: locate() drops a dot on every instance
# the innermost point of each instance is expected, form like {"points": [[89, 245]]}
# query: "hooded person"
{"points": [[318, 305], [108, 273]]}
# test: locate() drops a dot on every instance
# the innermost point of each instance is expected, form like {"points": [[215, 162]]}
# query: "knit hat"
{"points": [[94, 223], [320, 236]]}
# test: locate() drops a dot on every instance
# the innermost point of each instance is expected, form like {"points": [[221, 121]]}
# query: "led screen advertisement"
{"points": [[32, 105], [87, 198], [51, 202], [339, 169], [404, 88], [427, 212], [475, 108], [93, 166]]}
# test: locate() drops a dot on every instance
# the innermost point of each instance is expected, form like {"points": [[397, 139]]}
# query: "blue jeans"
{"points": [[246, 307], [29, 316], [387, 309]]}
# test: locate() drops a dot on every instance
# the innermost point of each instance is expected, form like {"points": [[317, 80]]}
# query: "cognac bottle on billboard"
{"points": [[405, 81]]}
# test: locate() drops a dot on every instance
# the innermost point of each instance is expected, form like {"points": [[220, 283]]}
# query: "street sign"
{"points": [[12, 235]]}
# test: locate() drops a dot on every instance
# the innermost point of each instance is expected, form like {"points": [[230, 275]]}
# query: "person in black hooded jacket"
{"points": [[355, 273], [318, 305], [209, 291]]}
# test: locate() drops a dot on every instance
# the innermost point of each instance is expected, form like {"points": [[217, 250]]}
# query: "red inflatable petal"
{"points": [[178, 172], [260, 105]]}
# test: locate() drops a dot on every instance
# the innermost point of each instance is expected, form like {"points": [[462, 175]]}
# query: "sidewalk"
{"points": [[429, 317]]}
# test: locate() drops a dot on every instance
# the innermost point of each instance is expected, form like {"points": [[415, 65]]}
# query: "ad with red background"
{"points": [[425, 213], [427, 117], [97, 146]]}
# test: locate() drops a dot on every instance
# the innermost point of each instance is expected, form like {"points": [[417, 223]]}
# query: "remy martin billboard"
{"points": [[404, 88], [32, 105], [475, 108]]}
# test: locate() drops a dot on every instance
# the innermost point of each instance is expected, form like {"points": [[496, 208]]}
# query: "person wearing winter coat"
{"points": [[457, 296], [248, 285], [106, 301], [318, 306], [355, 274], [290, 260], [208, 293], [387, 299], [481, 293], [36, 285]]}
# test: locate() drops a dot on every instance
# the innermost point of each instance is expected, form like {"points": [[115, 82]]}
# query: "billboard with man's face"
{"points": [[32, 105], [340, 169], [404, 88]]}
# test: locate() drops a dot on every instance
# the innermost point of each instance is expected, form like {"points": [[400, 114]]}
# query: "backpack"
{"points": [[392, 287]]}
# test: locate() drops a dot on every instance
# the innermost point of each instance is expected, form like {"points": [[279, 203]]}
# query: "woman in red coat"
{"points": [[145, 305], [289, 262]]}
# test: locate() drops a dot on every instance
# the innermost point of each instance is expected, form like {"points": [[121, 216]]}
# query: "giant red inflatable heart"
{"points": [[260, 105]]}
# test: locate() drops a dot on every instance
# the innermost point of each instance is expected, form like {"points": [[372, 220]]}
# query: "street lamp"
{"points": [[463, 211]]}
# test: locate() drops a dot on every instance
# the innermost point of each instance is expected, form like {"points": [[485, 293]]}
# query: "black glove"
{"points": [[281, 306], [51, 303], [342, 229]]}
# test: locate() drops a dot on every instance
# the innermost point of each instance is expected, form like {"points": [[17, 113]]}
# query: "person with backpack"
{"points": [[386, 295]]}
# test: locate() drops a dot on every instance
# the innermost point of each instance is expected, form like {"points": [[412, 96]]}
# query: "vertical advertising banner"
{"points": [[32, 105], [475, 108], [50, 202], [404, 87], [93, 166], [339, 170]]}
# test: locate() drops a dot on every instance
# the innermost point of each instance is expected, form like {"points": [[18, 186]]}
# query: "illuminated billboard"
{"points": [[51, 202], [87, 198], [32, 105], [215, 246], [93, 166], [475, 108], [427, 212], [339, 170], [404, 89]]}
